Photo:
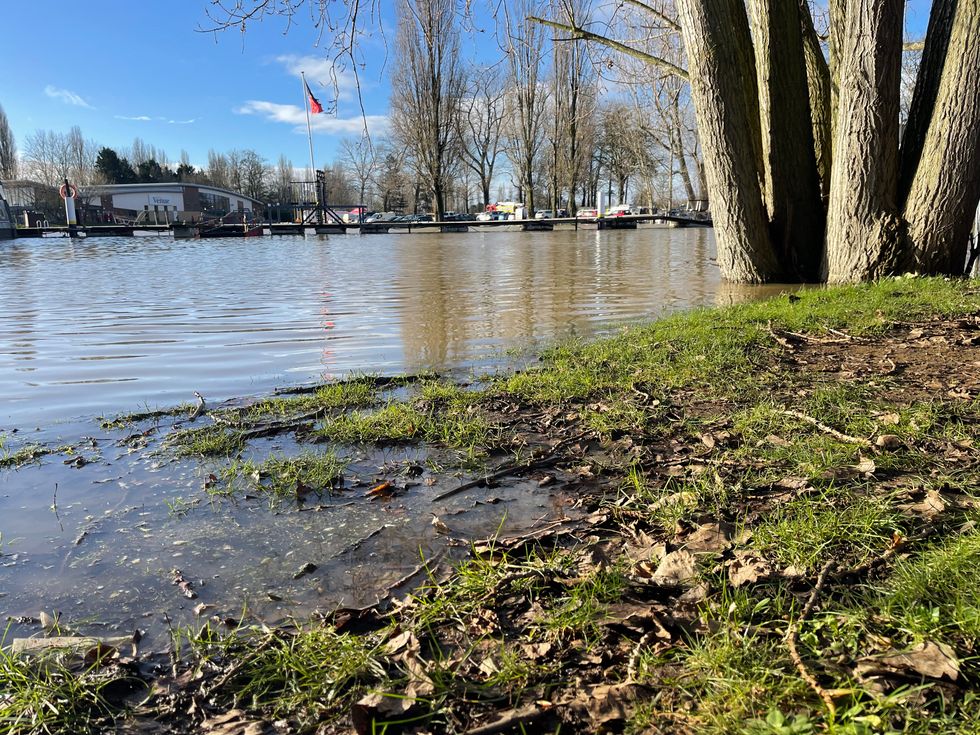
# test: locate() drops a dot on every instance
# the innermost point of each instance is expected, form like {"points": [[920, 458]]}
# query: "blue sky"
{"points": [[126, 68]]}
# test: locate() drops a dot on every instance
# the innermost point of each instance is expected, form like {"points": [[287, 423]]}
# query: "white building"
{"points": [[168, 202]]}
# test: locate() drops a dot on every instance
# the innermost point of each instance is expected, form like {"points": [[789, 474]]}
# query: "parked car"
{"points": [[620, 210], [587, 213], [544, 214]]}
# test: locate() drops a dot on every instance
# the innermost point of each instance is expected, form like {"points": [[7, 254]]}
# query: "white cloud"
{"points": [[323, 76], [138, 118], [66, 96], [182, 122], [296, 116]]}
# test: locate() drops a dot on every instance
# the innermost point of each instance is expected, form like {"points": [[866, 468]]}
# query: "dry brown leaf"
{"points": [[676, 569], [747, 567], [378, 707], [929, 659], [234, 722], [608, 705], [778, 441], [930, 506], [709, 538], [889, 441], [890, 419]]}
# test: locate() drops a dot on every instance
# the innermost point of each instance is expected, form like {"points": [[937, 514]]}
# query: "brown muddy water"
{"points": [[105, 326]]}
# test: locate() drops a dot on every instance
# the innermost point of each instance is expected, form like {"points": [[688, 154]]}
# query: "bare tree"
{"points": [[358, 156], [218, 171], [524, 45], [428, 89], [8, 149], [573, 103], [482, 125]]}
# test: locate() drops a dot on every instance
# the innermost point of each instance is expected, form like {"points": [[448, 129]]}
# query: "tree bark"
{"points": [[723, 86], [863, 232], [792, 183], [945, 189], [927, 81], [818, 81]]}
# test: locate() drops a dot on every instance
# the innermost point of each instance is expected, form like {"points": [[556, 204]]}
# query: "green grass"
{"points": [[722, 353], [27, 454], [311, 675], [455, 425], [281, 476], [938, 592], [52, 695], [207, 441], [843, 525]]}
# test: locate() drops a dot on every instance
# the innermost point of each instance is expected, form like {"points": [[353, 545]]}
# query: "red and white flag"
{"points": [[315, 105]]}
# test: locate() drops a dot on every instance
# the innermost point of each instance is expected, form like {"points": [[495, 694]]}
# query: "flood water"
{"points": [[106, 326]]}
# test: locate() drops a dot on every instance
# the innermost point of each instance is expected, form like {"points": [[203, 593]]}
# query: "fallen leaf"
{"points": [[677, 568], [930, 506], [890, 419], [709, 538], [746, 568], [929, 659], [889, 441]]}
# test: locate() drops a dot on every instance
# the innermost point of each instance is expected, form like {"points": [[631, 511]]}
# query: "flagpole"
{"points": [[309, 133]]}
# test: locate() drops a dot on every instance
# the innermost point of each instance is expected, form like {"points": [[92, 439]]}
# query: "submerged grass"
{"points": [[282, 476]]}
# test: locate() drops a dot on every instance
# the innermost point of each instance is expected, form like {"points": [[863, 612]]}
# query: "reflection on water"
{"points": [[106, 325]]}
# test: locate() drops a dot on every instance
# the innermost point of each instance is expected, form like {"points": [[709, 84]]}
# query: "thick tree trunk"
{"points": [[792, 184], [818, 81], [934, 56], [723, 86], [945, 189], [863, 226]]}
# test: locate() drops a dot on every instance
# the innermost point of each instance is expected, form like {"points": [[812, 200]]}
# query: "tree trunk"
{"points": [[863, 225], [927, 82], [792, 184], [945, 189], [722, 73], [818, 81]]}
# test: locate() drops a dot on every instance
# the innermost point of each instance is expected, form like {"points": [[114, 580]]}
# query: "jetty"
{"points": [[271, 229]]}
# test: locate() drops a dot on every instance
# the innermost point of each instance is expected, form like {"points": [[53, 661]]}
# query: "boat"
{"points": [[8, 230]]}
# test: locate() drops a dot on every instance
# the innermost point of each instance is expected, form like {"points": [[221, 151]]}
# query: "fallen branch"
{"points": [[781, 340], [792, 635], [826, 429]]}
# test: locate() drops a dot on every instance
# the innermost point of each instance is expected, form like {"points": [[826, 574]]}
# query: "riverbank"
{"points": [[763, 520]]}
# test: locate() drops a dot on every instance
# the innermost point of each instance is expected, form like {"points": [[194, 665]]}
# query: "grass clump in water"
{"points": [[24, 455], [281, 476], [208, 441], [454, 425]]}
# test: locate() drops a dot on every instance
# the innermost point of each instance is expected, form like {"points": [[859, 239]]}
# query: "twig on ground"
{"points": [[512, 469], [781, 340], [792, 634], [508, 720], [827, 429], [634, 662]]}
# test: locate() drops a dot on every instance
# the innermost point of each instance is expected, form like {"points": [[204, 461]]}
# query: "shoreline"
{"points": [[764, 520]]}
